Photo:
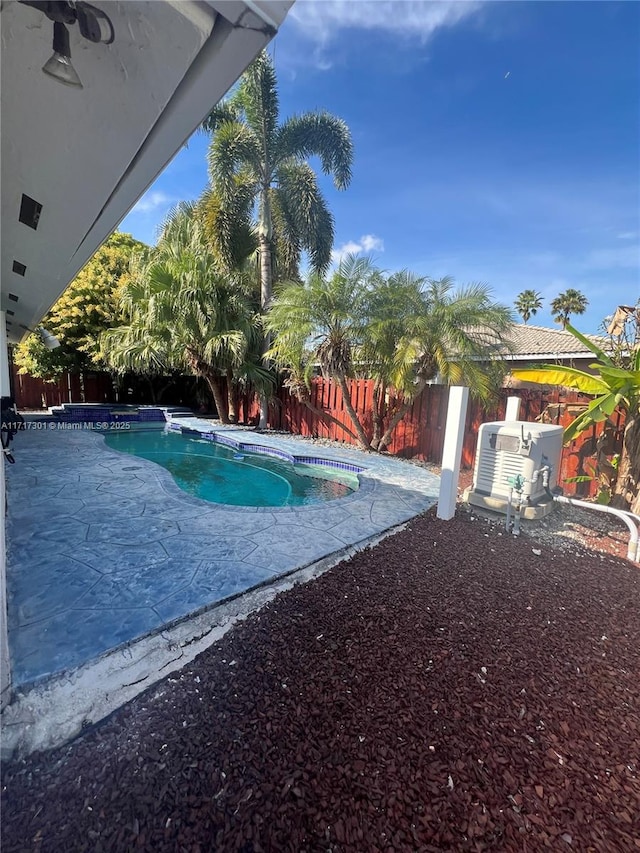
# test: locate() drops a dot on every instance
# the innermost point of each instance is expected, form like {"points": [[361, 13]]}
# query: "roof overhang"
{"points": [[548, 356], [87, 155]]}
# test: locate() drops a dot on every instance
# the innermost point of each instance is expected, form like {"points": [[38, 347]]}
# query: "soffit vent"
{"points": [[30, 211], [18, 268]]}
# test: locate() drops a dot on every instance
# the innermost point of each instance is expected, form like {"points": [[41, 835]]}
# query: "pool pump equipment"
{"points": [[516, 468]]}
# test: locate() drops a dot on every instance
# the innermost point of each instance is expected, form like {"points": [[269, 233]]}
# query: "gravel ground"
{"points": [[449, 689]]}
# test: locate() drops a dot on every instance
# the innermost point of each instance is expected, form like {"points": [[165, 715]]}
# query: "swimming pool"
{"points": [[220, 475]]}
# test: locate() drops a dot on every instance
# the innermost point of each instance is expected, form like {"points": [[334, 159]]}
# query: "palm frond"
{"points": [[228, 223], [258, 96], [234, 148], [224, 112], [286, 238], [318, 134], [305, 212]]}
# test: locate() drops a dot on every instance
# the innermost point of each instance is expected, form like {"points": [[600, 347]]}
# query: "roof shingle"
{"points": [[539, 341]]}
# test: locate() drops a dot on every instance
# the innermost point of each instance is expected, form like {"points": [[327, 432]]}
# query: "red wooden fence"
{"points": [[421, 432], [32, 393], [419, 435]]}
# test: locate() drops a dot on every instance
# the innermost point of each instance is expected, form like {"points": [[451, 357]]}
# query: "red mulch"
{"points": [[447, 690]]}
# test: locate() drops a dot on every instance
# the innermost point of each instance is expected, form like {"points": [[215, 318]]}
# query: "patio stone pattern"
{"points": [[104, 548]]}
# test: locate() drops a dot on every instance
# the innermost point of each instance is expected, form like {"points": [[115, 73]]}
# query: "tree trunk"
{"points": [[266, 294], [231, 398], [362, 436], [626, 494], [379, 391], [204, 369], [218, 397], [395, 420], [265, 240]]}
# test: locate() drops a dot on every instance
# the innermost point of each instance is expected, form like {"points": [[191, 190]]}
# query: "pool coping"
{"points": [[366, 484], [169, 485]]}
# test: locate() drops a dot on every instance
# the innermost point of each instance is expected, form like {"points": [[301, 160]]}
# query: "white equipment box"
{"points": [[508, 449]]}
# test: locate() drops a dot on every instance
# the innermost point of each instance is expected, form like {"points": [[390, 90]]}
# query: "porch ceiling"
{"points": [[87, 155]]}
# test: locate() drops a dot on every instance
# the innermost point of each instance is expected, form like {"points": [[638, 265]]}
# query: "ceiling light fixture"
{"points": [[93, 23], [59, 66], [48, 338]]}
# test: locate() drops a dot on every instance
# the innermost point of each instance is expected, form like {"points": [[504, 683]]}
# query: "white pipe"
{"points": [[633, 551]]}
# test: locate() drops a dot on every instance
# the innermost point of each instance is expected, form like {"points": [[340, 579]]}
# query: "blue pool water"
{"points": [[215, 473]]}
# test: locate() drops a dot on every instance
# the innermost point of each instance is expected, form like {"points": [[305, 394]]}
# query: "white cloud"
{"points": [[152, 202], [320, 19], [627, 235], [367, 243]]}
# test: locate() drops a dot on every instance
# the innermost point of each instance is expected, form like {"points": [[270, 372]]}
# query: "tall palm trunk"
{"points": [[265, 239], [626, 493], [346, 396]]}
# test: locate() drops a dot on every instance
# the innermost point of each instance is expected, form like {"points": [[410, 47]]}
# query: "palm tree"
{"points": [[527, 304], [402, 331], [393, 304], [456, 336], [323, 322], [565, 304], [255, 161], [184, 313]]}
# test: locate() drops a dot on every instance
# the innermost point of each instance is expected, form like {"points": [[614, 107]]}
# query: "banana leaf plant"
{"points": [[612, 387]]}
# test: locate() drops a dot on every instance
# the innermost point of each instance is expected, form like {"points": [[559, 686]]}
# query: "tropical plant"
{"points": [[457, 336], [611, 387], [527, 304], [622, 333], [184, 313], [322, 321], [88, 307], [571, 301], [255, 162], [391, 308], [402, 331]]}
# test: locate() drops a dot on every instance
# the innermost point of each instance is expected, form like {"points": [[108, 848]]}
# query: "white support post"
{"points": [[452, 451], [513, 409]]}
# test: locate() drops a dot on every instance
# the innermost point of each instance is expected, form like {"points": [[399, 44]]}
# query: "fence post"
{"points": [[452, 451], [513, 409]]}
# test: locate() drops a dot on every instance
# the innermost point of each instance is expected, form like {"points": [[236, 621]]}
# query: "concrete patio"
{"points": [[104, 548]]}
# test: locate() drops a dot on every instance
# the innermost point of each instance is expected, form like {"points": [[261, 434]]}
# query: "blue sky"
{"points": [[494, 142]]}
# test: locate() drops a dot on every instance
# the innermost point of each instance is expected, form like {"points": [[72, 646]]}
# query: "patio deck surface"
{"points": [[104, 548]]}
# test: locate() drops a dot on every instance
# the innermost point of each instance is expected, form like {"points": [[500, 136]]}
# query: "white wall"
{"points": [[5, 666]]}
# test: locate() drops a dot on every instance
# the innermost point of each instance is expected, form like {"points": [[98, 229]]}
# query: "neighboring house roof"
{"points": [[535, 343]]}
